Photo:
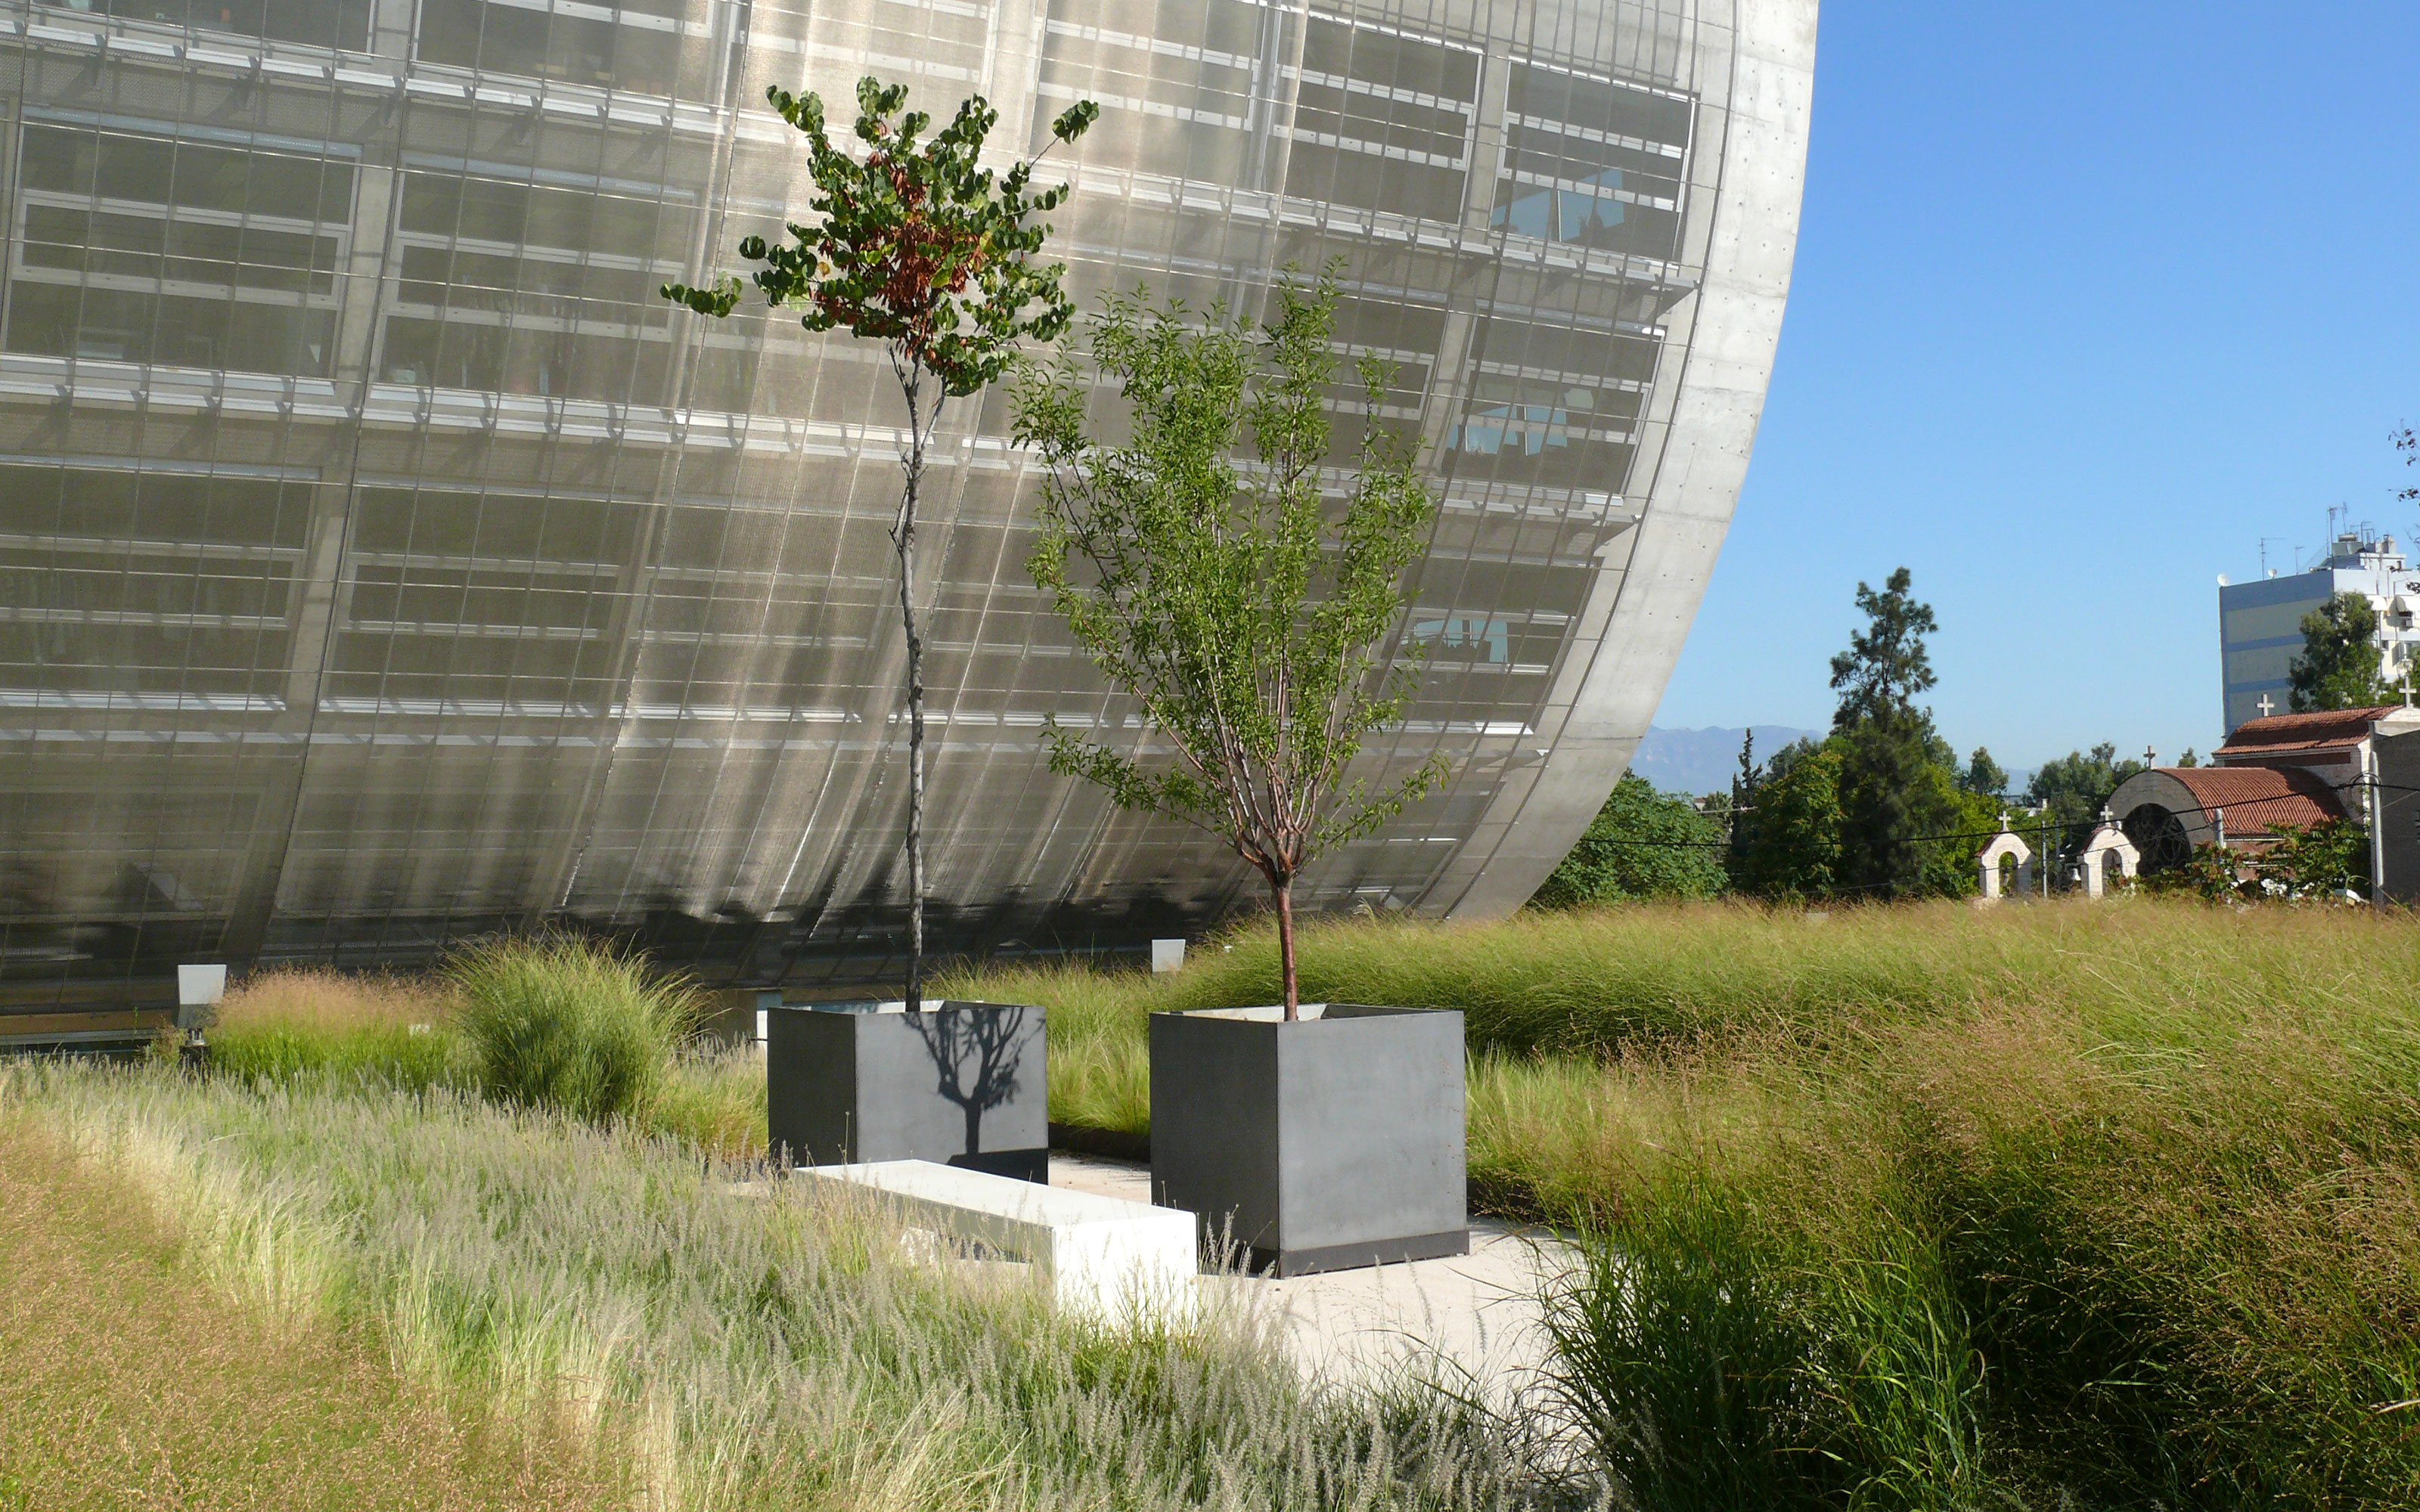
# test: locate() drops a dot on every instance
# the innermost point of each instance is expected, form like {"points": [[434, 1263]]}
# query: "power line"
{"points": [[1979, 834]]}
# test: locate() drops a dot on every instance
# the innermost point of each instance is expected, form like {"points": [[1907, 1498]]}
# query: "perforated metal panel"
{"points": [[386, 563]]}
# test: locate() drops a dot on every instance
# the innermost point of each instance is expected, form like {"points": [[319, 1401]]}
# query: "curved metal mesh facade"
{"points": [[386, 563]]}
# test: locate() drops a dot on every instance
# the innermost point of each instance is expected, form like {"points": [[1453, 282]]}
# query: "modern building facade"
{"points": [[388, 564], [2260, 622]]}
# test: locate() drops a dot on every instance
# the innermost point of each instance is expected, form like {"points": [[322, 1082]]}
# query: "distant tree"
{"points": [[1970, 820], [2338, 668], [1886, 664], [922, 248], [2189, 759], [1984, 775], [1741, 832], [2408, 442], [2075, 787], [1788, 845], [1643, 845], [1887, 745], [1242, 610]]}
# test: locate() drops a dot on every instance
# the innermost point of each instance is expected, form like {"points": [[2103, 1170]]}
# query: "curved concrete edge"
{"points": [[1737, 327]]}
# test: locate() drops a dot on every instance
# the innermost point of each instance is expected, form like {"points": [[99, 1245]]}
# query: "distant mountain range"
{"points": [[1697, 761], [1694, 762]]}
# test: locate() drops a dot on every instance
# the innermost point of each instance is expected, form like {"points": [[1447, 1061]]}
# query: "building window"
{"points": [[1591, 162], [1383, 120], [142, 249], [524, 288], [638, 52], [335, 24]]}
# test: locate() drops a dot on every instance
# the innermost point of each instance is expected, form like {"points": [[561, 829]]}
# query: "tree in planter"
{"points": [[920, 249], [1243, 620]]}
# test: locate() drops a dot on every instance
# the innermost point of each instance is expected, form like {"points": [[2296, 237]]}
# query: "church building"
{"points": [[2281, 770]]}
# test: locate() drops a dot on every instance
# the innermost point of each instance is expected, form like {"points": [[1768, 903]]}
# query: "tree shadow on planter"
{"points": [[868, 1082], [976, 1056]]}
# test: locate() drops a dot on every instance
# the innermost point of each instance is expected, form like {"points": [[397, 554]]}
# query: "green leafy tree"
{"points": [[1983, 775], [1642, 844], [2338, 668], [1787, 842], [2072, 791], [1242, 619], [1968, 819], [922, 248], [1888, 745]]}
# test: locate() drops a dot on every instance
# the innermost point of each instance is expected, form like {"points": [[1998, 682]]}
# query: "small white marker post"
{"points": [[1167, 955], [199, 988]]}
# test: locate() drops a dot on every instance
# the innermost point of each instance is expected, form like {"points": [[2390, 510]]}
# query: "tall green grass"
{"points": [[1594, 980], [552, 1022], [738, 1343], [1719, 1360], [1926, 1207], [290, 1023]]}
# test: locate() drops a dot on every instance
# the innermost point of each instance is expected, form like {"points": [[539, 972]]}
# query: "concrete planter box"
{"points": [[1332, 1142], [963, 1084]]}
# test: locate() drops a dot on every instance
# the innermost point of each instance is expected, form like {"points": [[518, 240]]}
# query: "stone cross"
{"points": [[2268, 705]]}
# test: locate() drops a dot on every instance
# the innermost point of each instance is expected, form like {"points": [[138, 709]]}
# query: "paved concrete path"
{"points": [[1472, 1320]]}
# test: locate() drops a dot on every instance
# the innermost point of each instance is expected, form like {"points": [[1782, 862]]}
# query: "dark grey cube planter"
{"points": [[964, 1084], [1332, 1142]]}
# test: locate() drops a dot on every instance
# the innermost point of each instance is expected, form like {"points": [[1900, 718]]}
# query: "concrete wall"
{"points": [[1734, 325]]}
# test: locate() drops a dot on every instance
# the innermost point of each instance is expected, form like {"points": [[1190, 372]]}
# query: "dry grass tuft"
{"points": [[315, 1001]]}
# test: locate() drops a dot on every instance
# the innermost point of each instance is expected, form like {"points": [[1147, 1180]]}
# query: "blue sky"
{"points": [[2089, 298]]}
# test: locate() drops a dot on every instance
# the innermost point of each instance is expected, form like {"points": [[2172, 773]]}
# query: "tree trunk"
{"points": [[905, 539], [1285, 948]]}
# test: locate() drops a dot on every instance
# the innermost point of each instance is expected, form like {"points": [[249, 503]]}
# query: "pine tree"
{"points": [[1886, 744]]}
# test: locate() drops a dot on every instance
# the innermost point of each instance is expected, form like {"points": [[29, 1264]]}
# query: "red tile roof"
{"points": [[2284, 732], [2259, 798]]}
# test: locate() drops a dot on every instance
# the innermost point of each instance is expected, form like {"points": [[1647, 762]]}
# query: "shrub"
{"points": [[1643, 845], [558, 1022]]}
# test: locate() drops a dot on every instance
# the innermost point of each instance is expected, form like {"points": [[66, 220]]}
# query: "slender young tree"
{"points": [[1243, 619], [924, 250]]}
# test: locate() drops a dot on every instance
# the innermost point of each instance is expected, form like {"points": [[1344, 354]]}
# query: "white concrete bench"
{"points": [[1116, 1259]]}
